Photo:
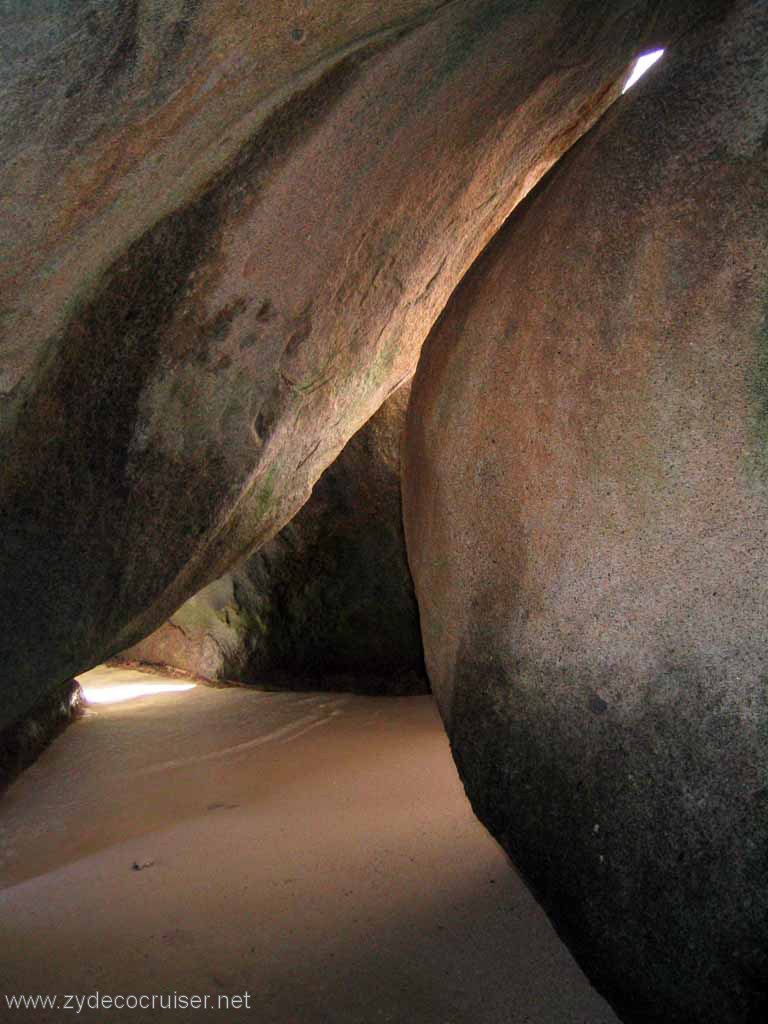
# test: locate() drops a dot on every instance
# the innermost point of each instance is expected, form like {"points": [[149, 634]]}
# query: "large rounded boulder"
{"points": [[227, 229], [586, 510]]}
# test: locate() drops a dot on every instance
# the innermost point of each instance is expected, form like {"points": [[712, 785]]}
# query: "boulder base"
{"points": [[586, 505], [329, 602]]}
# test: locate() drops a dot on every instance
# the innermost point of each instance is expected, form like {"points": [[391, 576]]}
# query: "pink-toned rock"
{"points": [[227, 229], [329, 602], [586, 506]]}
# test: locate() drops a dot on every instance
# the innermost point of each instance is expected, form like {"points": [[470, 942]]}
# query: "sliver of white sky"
{"points": [[641, 66]]}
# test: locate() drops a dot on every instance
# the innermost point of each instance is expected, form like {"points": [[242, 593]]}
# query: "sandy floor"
{"points": [[314, 852]]}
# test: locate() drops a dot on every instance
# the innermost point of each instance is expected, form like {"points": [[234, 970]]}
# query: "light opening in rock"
{"points": [[129, 691], [642, 64]]}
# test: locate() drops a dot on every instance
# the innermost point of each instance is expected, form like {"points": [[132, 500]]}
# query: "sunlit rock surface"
{"points": [[329, 602], [586, 508], [227, 229]]}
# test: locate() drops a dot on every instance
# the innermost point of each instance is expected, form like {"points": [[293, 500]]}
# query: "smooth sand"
{"points": [[314, 851]]}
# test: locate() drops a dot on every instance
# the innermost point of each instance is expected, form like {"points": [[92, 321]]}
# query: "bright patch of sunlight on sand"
{"points": [[641, 66], [129, 691]]}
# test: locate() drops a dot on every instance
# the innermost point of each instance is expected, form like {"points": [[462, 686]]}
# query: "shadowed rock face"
{"points": [[586, 510], [229, 228], [24, 740], [329, 602]]}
